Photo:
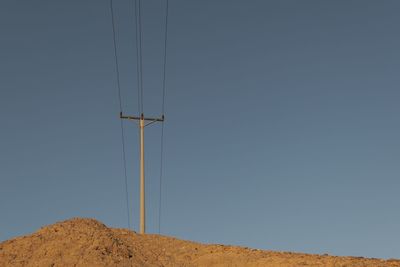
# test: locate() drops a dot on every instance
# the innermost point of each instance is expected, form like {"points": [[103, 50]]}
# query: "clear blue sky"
{"points": [[282, 127]]}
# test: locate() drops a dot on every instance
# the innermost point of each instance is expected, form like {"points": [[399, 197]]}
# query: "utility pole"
{"points": [[143, 122]]}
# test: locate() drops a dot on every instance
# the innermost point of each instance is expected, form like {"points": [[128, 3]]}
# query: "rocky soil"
{"points": [[87, 242]]}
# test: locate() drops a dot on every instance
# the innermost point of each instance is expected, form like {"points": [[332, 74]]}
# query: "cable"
{"points": [[139, 64], [120, 109], [162, 124], [161, 171], [137, 59], [165, 54], [125, 173], [141, 53]]}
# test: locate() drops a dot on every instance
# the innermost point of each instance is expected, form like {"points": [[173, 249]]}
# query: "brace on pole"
{"points": [[142, 123]]}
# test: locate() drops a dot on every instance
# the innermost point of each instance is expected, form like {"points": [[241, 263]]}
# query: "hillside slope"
{"points": [[87, 242]]}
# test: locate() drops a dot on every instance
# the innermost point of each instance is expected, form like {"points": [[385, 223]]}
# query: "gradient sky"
{"points": [[282, 120]]}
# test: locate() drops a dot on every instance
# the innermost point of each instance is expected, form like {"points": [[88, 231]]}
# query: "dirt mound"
{"points": [[87, 242]]}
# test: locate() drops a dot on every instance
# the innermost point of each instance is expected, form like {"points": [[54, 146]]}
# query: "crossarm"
{"points": [[140, 118]]}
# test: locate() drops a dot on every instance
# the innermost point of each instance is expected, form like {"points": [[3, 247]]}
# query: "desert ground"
{"points": [[87, 242]]}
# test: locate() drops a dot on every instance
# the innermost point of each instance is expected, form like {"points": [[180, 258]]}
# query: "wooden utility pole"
{"points": [[143, 122]]}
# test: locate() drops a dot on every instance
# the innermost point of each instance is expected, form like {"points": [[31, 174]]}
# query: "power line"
{"points": [[120, 109], [161, 172], [163, 111], [142, 119], [141, 53], [165, 55], [137, 59], [139, 62]]}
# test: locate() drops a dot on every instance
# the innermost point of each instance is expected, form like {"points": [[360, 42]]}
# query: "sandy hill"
{"points": [[87, 242]]}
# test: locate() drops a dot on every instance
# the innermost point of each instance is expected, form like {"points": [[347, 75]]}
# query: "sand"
{"points": [[87, 242]]}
